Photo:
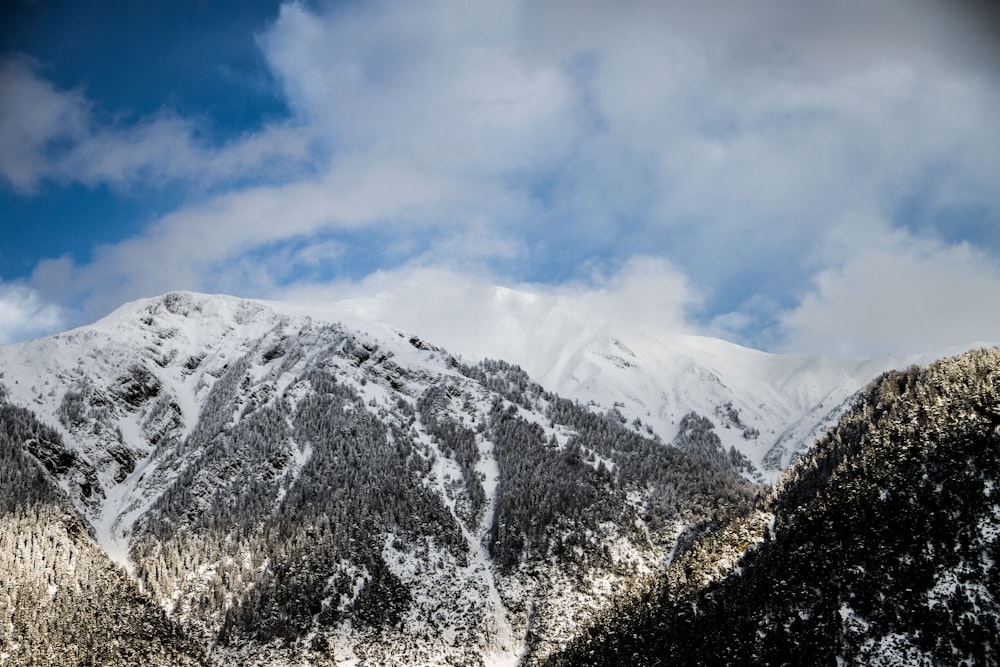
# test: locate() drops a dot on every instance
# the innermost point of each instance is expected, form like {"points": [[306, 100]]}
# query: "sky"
{"points": [[800, 177]]}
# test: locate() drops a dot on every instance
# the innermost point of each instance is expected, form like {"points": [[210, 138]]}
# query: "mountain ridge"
{"points": [[768, 406], [285, 488]]}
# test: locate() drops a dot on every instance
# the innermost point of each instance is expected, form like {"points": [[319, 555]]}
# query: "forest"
{"points": [[880, 546]]}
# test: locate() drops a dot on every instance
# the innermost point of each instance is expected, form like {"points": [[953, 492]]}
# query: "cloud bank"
{"points": [[532, 324], [900, 294]]}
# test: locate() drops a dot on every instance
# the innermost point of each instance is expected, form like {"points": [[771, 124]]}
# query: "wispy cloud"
{"points": [[33, 115], [48, 134]]}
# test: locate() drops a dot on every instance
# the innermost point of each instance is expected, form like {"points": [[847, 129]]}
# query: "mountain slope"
{"points": [[288, 489], [282, 489], [62, 600], [879, 547], [768, 407]]}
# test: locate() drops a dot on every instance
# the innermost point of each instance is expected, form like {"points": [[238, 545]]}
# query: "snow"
{"points": [[948, 581], [658, 379], [186, 341], [894, 649], [851, 620]]}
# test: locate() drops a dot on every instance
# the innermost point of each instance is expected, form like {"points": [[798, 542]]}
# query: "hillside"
{"points": [[62, 598], [878, 548], [768, 407]]}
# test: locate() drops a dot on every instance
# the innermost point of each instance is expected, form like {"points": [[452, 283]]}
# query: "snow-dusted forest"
{"points": [[206, 480]]}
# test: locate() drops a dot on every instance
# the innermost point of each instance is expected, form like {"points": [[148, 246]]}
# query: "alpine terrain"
{"points": [[207, 480], [880, 547]]}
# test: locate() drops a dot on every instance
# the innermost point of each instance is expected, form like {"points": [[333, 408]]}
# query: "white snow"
{"points": [[188, 341], [658, 378], [789, 399]]}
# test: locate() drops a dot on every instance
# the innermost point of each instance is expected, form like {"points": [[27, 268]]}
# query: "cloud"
{"points": [[535, 325], [900, 294], [524, 142], [23, 314], [240, 241], [442, 84], [47, 134], [33, 115]]}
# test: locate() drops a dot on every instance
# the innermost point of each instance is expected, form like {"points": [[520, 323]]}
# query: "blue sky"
{"points": [[807, 177]]}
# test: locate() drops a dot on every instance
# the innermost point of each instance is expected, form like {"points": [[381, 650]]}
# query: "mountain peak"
{"points": [[216, 446]]}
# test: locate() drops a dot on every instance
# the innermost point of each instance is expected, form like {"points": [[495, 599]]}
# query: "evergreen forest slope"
{"points": [[62, 600], [880, 547], [201, 479]]}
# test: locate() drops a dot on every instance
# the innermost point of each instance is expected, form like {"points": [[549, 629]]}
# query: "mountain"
{"points": [[768, 407], [225, 481], [880, 547], [280, 489]]}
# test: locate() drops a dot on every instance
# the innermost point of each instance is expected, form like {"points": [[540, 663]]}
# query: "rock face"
{"points": [[284, 490], [881, 546]]}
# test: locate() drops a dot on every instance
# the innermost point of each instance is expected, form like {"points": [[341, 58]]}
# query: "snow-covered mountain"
{"points": [[769, 407], [283, 486], [141, 376], [288, 484]]}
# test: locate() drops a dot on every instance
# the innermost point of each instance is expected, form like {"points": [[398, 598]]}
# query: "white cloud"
{"points": [[51, 134], [33, 115], [164, 148], [442, 84], [23, 314], [727, 140], [532, 324], [211, 245], [900, 294]]}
